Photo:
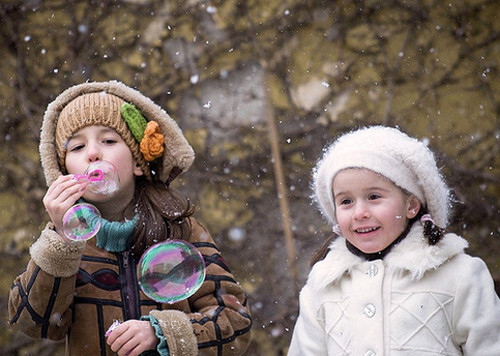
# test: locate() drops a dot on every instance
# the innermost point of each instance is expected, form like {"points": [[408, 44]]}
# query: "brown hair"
{"points": [[323, 250], [162, 213]]}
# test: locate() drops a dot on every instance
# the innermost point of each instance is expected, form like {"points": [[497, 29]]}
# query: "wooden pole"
{"points": [[282, 191]]}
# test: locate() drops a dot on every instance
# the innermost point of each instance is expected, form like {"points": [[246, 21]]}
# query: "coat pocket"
{"points": [[336, 323], [422, 321]]}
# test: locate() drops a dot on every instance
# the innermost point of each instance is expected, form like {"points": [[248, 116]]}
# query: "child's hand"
{"points": [[61, 196], [132, 337]]}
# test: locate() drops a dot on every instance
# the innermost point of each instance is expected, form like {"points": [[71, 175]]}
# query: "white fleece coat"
{"points": [[420, 300]]}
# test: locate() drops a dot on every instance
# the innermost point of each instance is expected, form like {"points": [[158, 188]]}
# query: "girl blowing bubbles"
{"points": [[392, 282], [75, 290]]}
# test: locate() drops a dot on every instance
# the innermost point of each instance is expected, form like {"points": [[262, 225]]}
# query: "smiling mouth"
{"points": [[366, 230]]}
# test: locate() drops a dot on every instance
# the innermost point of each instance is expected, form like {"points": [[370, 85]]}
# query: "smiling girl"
{"points": [[392, 282]]}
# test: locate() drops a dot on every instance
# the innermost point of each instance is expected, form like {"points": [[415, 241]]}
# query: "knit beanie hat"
{"points": [[154, 138], [405, 161]]}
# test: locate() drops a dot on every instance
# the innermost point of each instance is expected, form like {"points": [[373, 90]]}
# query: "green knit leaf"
{"points": [[134, 119]]}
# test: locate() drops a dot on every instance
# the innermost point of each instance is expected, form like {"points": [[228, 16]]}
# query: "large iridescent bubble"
{"points": [[171, 271], [81, 222]]}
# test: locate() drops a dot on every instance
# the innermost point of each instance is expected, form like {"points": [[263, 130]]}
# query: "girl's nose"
{"points": [[93, 153], [361, 211]]}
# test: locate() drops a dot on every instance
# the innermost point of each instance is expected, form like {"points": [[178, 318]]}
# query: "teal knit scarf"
{"points": [[114, 236]]}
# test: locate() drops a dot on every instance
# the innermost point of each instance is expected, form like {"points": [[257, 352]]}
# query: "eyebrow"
{"points": [[102, 130], [368, 189]]}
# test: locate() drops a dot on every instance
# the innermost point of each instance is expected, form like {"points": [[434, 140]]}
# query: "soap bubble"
{"points": [[171, 271], [81, 222], [102, 177]]}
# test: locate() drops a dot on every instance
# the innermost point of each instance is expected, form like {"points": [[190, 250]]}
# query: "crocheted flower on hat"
{"points": [[152, 144], [148, 134]]}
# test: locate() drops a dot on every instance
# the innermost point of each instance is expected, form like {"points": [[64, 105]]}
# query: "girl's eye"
{"points": [[76, 148], [373, 196], [110, 141], [345, 201]]}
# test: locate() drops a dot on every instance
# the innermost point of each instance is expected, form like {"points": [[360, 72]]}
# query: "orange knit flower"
{"points": [[152, 144]]}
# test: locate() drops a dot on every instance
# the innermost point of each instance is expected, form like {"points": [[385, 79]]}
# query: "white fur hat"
{"points": [[407, 162]]}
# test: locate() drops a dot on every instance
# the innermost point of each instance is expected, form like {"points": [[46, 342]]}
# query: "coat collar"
{"points": [[412, 255]]}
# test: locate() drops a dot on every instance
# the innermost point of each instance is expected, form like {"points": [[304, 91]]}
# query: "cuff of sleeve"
{"points": [[54, 255], [162, 347], [177, 331]]}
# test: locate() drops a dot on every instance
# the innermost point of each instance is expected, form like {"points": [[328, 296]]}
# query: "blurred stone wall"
{"points": [[225, 70]]}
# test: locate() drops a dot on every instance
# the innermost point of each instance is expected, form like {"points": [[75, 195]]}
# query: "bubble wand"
{"points": [[83, 220]]}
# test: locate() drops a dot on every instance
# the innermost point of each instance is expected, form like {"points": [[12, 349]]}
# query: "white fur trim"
{"points": [[178, 332], [336, 263], [56, 257], [415, 255], [412, 255]]}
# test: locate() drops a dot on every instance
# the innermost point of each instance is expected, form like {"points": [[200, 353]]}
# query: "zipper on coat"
{"points": [[129, 290]]}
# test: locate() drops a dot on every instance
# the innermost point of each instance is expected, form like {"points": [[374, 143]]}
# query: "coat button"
{"points": [[370, 353], [372, 271], [369, 310]]}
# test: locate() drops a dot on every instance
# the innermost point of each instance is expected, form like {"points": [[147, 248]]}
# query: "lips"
{"points": [[366, 230]]}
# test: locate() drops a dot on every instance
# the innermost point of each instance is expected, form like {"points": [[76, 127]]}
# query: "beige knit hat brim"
{"points": [[178, 154]]}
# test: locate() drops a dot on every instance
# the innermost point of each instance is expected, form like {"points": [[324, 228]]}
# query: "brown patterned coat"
{"points": [[76, 291]]}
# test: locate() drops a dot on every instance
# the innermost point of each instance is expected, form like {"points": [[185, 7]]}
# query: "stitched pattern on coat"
{"points": [[426, 316], [105, 279], [337, 325], [222, 300], [43, 320]]}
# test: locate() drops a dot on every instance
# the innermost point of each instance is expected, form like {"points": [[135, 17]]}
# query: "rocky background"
{"points": [[259, 87]]}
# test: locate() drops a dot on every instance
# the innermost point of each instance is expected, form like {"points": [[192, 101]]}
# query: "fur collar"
{"points": [[412, 255]]}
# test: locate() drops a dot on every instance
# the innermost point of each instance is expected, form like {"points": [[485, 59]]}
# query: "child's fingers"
{"points": [[58, 185], [58, 189], [132, 338], [63, 187], [130, 348], [60, 196], [122, 341]]}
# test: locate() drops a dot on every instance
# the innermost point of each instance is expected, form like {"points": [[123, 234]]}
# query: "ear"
{"points": [[413, 207], [138, 170]]}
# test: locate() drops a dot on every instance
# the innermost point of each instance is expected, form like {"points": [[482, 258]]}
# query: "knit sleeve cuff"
{"points": [[55, 256], [162, 347], [178, 332]]}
